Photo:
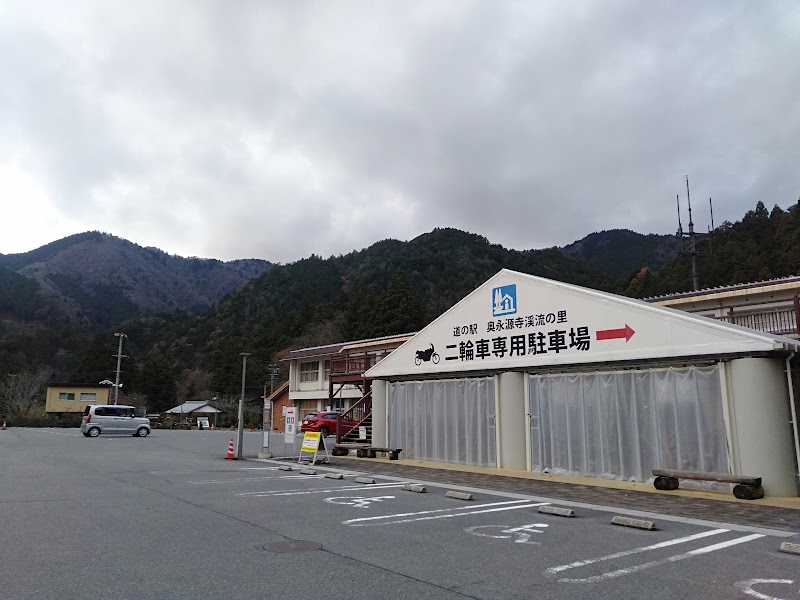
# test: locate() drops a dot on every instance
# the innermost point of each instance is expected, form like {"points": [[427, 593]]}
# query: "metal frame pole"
{"points": [[119, 361], [244, 356]]}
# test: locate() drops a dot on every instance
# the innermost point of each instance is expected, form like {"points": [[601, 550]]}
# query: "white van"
{"points": [[113, 418]]}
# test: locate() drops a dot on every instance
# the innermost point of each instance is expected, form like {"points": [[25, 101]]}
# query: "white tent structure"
{"points": [[528, 373]]}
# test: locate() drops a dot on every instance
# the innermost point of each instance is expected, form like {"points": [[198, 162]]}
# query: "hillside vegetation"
{"points": [[391, 287]]}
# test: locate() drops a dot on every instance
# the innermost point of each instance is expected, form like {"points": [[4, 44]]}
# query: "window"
{"points": [[66, 396], [88, 397], [309, 371], [327, 370]]}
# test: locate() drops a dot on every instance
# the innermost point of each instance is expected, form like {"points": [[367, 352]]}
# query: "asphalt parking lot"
{"points": [[168, 517]]}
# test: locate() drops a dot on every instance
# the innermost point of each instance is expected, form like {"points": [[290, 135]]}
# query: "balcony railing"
{"points": [[781, 320], [352, 364]]}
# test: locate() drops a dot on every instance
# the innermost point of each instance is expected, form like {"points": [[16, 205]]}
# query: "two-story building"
{"points": [[331, 377]]}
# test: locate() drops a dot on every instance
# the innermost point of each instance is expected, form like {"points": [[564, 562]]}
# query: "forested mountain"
{"points": [[53, 298], [390, 287], [620, 252], [95, 279], [763, 245]]}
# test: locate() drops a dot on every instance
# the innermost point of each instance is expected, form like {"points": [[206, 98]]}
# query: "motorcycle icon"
{"points": [[428, 355]]}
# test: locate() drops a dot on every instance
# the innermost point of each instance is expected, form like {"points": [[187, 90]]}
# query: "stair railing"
{"points": [[358, 412]]}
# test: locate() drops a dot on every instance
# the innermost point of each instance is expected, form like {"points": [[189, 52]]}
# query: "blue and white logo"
{"points": [[504, 300]]}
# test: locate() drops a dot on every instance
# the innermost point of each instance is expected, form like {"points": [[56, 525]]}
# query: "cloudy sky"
{"points": [[277, 129]]}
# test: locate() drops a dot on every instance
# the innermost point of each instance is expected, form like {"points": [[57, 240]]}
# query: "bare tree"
{"points": [[21, 392]]}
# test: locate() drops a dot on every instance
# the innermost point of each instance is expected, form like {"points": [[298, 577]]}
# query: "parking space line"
{"points": [[581, 563], [655, 563], [467, 510], [254, 479], [300, 492]]}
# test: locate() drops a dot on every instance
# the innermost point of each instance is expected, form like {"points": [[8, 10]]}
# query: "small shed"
{"points": [[193, 409]]}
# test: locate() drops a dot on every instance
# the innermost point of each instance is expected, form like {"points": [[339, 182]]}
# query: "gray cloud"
{"points": [[280, 129]]}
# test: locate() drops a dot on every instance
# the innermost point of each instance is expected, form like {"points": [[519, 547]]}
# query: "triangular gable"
{"points": [[516, 321]]}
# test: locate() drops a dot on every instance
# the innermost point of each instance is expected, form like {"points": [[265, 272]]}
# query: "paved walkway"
{"points": [[757, 513]]}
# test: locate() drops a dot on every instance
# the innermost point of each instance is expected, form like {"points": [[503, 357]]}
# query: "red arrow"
{"points": [[615, 334]]}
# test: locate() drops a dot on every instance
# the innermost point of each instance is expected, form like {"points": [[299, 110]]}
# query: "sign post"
{"points": [[266, 424], [290, 428]]}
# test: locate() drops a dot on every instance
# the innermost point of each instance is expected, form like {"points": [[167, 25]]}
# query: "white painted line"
{"points": [[258, 468], [590, 561], [254, 479], [433, 517], [747, 587], [301, 492], [439, 510], [656, 563]]}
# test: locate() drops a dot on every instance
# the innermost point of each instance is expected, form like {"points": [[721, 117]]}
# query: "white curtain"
{"points": [[446, 421], [623, 424]]}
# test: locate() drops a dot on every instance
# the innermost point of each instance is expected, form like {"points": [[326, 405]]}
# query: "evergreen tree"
{"points": [[98, 361], [399, 309], [157, 381]]}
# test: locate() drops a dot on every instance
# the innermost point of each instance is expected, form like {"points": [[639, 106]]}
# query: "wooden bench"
{"points": [[747, 488], [365, 451], [344, 449], [372, 452]]}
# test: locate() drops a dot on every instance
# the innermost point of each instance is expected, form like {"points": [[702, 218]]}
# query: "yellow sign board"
{"points": [[310, 441]]}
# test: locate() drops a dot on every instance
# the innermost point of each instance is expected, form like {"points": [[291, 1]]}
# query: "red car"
{"points": [[325, 423]]}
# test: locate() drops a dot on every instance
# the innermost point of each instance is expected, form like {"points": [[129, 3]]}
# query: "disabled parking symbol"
{"points": [[357, 501], [522, 533]]}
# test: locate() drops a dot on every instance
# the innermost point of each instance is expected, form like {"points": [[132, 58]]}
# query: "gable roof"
{"points": [[193, 406], [554, 324], [330, 349]]}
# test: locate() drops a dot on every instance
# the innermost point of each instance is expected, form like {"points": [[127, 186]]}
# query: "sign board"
{"points": [[516, 321], [202, 423], [312, 441], [290, 424], [362, 432], [285, 408]]}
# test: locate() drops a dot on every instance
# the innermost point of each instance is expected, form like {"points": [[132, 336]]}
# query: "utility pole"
{"points": [[273, 371], [244, 356], [120, 356]]}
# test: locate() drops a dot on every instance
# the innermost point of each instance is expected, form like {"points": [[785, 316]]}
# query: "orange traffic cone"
{"points": [[230, 450], [4, 426], [212, 427]]}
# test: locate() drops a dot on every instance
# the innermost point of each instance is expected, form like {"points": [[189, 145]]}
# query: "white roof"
{"points": [[515, 320], [195, 406]]}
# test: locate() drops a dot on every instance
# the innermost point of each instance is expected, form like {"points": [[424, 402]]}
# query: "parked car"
{"points": [[113, 418], [325, 423]]}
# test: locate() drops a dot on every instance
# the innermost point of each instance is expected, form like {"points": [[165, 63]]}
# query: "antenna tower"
{"points": [[690, 248]]}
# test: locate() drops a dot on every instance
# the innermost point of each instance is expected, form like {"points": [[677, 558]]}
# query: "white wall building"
{"points": [[333, 375], [559, 378]]}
